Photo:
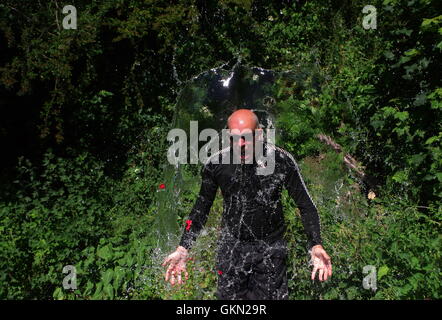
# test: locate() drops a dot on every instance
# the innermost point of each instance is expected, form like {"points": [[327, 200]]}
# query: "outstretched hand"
{"points": [[321, 262], [177, 265]]}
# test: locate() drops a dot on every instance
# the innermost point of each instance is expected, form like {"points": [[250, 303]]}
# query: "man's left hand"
{"points": [[321, 262]]}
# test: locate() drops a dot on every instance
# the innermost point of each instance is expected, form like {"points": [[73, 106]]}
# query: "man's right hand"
{"points": [[177, 265]]}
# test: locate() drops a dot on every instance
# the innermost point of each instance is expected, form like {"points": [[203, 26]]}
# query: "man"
{"points": [[251, 258]]}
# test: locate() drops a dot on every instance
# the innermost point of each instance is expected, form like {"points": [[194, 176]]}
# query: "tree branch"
{"points": [[350, 162]]}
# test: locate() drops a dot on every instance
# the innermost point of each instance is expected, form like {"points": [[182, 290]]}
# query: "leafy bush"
{"points": [[56, 213], [69, 212]]}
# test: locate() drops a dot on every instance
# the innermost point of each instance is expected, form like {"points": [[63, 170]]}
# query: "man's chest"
{"points": [[243, 179]]}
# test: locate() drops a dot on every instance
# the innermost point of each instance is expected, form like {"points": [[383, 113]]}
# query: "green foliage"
{"points": [[88, 111], [391, 234], [68, 211], [55, 213], [114, 269]]}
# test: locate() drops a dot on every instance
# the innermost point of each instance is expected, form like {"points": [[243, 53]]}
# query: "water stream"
{"points": [[209, 98]]}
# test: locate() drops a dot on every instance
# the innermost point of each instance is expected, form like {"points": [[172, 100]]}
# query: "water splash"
{"points": [[210, 98]]}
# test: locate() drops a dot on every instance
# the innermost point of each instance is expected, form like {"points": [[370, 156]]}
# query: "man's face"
{"points": [[243, 141], [242, 124]]}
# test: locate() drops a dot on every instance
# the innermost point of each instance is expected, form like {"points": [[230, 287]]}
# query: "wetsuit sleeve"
{"points": [[309, 214], [198, 216]]}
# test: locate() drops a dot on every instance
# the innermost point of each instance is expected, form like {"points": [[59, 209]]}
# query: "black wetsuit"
{"points": [[251, 249]]}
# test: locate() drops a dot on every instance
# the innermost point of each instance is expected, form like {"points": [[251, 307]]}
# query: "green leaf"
{"points": [[130, 260], [417, 159], [400, 176], [428, 24], [88, 289], [109, 290], [118, 276], [412, 52], [382, 271], [97, 295], [402, 60], [414, 262], [432, 139], [58, 294], [401, 115], [107, 276], [104, 252], [376, 124], [389, 55]]}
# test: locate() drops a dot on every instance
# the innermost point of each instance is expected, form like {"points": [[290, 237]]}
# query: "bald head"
{"points": [[242, 119], [241, 123]]}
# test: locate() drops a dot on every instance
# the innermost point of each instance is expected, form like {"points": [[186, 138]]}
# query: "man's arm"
{"points": [[176, 261], [198, 216], [310, 218], [309, 214]]}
